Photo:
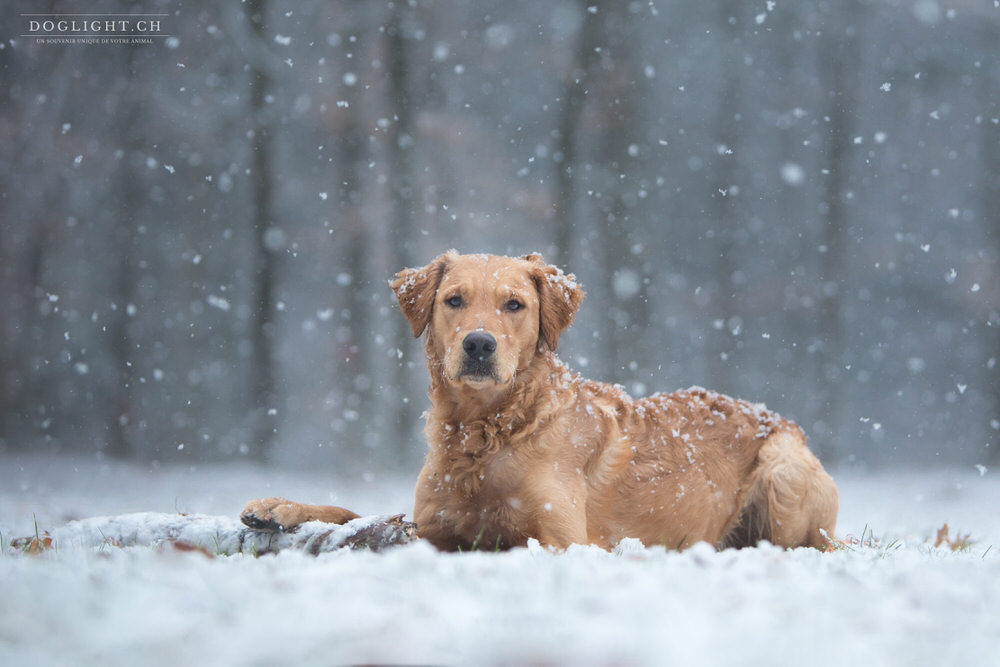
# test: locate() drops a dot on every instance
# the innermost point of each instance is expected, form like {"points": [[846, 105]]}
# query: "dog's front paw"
{"points": [[271, 514]]}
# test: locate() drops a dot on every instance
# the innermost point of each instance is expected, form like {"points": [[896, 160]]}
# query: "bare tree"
{"points": [[838, 72], [27, 387], [129, 187], [400, 140], [726, 192], [267, 241], [360, 365], [618, 123], [574, 98], [989, 206], [7, 374]]}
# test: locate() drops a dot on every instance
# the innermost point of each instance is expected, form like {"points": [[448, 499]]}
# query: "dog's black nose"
{"points": [[479, 346]]}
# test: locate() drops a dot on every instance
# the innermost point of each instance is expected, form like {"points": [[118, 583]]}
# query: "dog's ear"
{"points": [[559, 297], [415, 290]]}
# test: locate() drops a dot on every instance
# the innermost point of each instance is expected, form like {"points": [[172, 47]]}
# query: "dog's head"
{"points": [[486, 316]]}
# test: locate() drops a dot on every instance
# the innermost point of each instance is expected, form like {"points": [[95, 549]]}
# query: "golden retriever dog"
{"points": [[522, 447]]}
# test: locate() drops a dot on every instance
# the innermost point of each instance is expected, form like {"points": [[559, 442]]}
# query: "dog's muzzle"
{"points": [[479, 363]]}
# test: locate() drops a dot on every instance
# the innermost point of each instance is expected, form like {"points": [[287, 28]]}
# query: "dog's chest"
{"points": [[482, 498], [482, 462]]}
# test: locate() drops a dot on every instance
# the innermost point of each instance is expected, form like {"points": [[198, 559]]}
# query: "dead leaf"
{"points": [[181, 545], [958, 543], [34, 545]]}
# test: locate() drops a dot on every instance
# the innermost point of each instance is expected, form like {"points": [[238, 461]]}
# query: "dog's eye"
{"points": [[454, 301], [514, 305]]}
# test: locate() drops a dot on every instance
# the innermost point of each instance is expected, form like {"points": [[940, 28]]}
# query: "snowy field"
{"points": [[897, 601]]}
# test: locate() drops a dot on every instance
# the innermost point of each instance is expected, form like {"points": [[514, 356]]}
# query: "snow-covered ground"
{"points": [[900, 602]]}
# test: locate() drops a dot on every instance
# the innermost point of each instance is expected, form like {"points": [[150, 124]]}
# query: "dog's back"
{"points": [[695, 466]]}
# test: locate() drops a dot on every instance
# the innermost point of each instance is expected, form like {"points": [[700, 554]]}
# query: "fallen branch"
{"points": [[223, 535]]}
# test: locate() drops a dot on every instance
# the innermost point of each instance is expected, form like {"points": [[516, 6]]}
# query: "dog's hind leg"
{"points": [[791, 500]]}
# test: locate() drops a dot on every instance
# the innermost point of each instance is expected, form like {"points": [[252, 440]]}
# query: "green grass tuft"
{"points": [[867, 542], [475, 542]]}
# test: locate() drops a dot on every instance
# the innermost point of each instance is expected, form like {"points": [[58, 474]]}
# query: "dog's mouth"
{"points": [[478, 371]]}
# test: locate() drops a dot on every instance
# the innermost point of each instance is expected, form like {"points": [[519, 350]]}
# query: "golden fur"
{"points": [[522, 447]]}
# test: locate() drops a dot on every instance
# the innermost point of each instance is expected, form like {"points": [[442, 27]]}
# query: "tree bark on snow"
{"points": [[263, 389], [219, 535]]}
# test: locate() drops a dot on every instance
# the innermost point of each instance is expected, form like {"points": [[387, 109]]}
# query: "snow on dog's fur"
{"points": [[521, 447]]}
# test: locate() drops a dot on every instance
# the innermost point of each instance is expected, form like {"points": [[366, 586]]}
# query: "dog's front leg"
{"points": [[558, 538], [278, 514], [558, 510], [561, 528]]}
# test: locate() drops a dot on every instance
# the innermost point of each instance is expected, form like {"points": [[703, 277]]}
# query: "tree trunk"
{"points": [[263, 389], [28, 390], [401, 183], [358, 259], [989, 196], [839, 73], [725, 192], [600, 73], [124, 233], [574, 98]]}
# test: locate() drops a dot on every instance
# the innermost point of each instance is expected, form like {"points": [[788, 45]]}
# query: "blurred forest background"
{"points": [[792, 202]]}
